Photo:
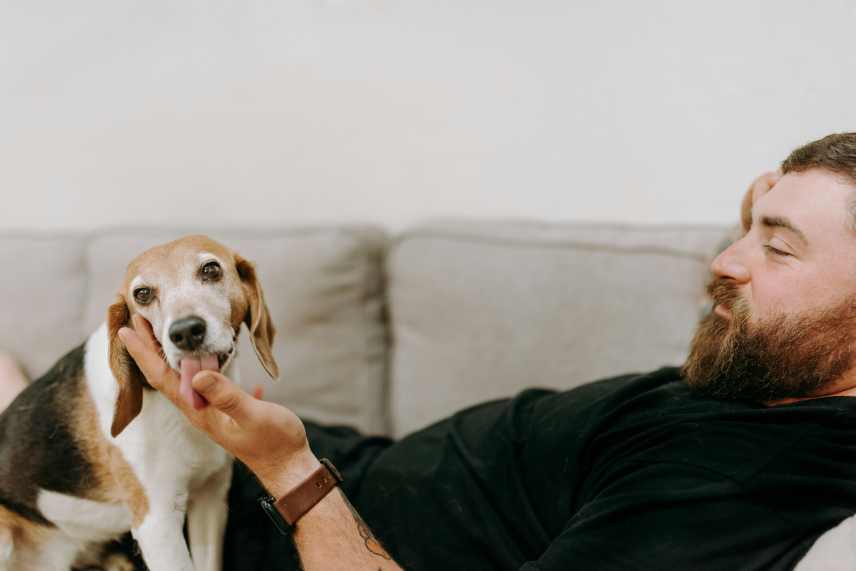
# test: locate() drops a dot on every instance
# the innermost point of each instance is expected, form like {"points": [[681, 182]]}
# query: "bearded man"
{"points": [[741, 459]]}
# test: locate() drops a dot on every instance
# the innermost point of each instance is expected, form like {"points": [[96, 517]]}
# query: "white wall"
{"points": [[391, 111]]}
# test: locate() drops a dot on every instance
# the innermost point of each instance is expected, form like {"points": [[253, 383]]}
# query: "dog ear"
{"points": [[131, 381], [258, 318]]}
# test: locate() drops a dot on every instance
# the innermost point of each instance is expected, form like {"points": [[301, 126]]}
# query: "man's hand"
{"points": [[759, 187], [267, 437]]}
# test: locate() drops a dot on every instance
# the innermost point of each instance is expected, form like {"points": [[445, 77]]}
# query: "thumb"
{"points": [[224, 395]]}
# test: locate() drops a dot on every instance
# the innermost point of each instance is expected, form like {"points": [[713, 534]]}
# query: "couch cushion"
{"points": [[42, 290], [482, 310], [324, 289]]}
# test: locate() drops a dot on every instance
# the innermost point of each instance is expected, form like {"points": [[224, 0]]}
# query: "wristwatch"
{"points": [[285, 511]]}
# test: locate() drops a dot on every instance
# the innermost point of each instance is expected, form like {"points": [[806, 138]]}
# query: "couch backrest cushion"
{"points": [[482, 310], [324, 287], [42, 293]]}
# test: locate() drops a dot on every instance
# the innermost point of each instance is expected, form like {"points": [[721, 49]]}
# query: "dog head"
{"points": [[196, 293]]}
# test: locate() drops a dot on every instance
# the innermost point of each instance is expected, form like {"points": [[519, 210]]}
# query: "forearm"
{"points": [[331, 536]]}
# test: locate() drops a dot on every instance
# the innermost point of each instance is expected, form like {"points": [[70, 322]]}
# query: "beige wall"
{"points": [[391, 111]]}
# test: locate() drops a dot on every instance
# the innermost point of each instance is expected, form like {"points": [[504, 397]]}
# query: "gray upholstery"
{"points": [[461, 311], [481, 310], [42, 293]]}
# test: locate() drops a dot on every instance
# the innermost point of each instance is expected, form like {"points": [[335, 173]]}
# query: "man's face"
{"points": [[784, 323]]}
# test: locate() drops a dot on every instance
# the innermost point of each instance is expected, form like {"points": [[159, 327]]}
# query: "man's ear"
{"points": [[257, 317], [125, 370]]}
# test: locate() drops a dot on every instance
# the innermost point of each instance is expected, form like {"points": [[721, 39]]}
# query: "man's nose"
{"points": [[730, 264]]}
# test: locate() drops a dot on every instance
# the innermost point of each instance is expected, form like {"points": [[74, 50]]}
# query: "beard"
{"points": [[786, 356]]}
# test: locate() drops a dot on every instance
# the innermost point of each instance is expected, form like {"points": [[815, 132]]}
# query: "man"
{"points": [[739, 460]]}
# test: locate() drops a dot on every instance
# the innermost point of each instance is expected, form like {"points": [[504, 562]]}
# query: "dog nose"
{"points": [[187, 333]]}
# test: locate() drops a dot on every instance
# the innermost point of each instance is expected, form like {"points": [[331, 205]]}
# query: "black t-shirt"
{"points": [[634, 472], [629, 473]]}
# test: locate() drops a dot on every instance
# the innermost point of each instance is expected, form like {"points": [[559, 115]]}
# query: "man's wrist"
{"points": [[280, 479]]}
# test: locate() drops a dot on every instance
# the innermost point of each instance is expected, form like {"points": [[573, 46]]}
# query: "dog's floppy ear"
{"points": [[128, 375], [257, 317]]}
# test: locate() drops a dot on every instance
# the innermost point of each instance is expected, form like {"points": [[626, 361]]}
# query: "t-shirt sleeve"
{"points": [[667, 516]]}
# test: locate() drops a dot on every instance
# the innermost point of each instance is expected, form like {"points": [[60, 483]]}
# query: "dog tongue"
{"points": [[189, 367]]}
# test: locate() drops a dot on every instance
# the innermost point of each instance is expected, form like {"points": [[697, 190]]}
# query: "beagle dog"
{"points": [[90, 451]]}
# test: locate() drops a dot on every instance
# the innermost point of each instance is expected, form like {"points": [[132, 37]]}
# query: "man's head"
{"points": [[784, 324]]}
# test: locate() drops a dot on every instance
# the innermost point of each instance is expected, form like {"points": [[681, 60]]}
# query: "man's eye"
{"points": [[776, 251], [143, 295], [210, 271]]}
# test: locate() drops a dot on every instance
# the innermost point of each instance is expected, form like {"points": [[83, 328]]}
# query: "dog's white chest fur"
{"points": [[83, 519]]}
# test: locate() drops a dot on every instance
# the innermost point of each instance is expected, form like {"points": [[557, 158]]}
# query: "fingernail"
{"points": [[203, 381], [123, 333]]}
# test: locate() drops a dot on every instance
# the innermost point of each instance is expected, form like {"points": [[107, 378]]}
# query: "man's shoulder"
{"points": [[656, 417]]}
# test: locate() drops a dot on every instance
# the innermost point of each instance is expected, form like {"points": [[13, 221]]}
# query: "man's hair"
{"points": [[834, 153]]}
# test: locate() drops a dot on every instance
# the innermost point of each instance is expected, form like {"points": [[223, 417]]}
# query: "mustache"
{"points": [[723, 292]]}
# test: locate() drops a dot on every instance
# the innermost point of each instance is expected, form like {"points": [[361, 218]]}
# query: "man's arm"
{"points": [[334, 536], [271, 441]]}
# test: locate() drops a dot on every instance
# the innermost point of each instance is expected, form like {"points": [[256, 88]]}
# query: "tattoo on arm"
{"points": [[372, 544]]}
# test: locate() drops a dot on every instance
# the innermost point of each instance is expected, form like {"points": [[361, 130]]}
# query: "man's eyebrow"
{"points": [[781, 222]]}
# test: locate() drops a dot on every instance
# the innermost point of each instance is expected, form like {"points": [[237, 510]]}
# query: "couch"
{"points": [[389, 332]]}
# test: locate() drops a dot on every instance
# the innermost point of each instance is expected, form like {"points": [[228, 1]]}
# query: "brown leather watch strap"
{"points": [[302, 498]]}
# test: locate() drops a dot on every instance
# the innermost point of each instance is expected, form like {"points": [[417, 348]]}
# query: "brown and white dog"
{"points": [[90, 450]]}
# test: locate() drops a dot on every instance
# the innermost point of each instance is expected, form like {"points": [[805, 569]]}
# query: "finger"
{"points": [[759, 187], [746, 211], [148, 360], [152, 365], [763, 183], [145, 331], [225, 396], [770, 180]]}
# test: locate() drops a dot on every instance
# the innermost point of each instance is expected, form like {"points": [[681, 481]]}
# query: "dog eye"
{"points": [[143, 295], [210, 272]]}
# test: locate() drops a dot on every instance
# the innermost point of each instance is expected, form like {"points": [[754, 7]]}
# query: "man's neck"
{"points": [[843, 387]]}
